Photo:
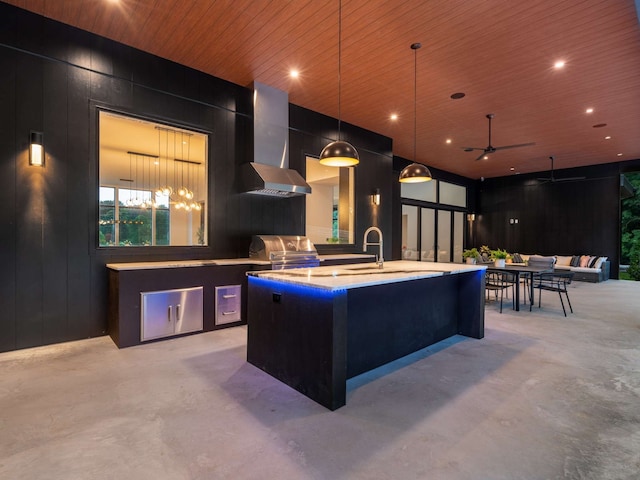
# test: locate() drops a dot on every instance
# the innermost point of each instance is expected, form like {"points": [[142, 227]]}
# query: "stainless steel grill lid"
{"points": [[284, 251]]}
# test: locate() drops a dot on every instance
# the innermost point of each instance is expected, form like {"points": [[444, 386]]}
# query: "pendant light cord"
{"points": [[415, 47], [415, 101], [339, 65]]}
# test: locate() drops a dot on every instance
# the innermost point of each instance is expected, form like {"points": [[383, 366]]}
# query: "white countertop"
{"points": [[346, 256], [184, 263], [220, 261], [342, 277]]}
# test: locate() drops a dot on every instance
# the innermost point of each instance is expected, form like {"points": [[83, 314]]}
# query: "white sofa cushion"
{"points": [[563, 261], [586, 269], [566, 267]]}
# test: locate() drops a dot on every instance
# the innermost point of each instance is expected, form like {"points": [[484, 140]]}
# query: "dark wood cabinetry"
{"points": [[126, 286]]}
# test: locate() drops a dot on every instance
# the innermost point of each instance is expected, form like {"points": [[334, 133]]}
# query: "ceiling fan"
{"points": [[553, 179], [490, 148]]}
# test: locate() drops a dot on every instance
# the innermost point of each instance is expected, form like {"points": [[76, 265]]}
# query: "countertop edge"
{"points": [[346, 282]]}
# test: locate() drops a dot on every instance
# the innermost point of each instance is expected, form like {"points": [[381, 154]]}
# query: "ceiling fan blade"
{"points": [[470, 149], [570, 179], [557, 180], [516, 146], [484, 154]]}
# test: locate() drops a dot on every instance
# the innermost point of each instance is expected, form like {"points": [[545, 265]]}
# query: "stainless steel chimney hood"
{"points": [[269, 173]]}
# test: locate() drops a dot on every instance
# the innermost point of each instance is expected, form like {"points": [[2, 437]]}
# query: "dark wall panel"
{"points": [[9, 156], [79, 174], [54, 214], [561, 218], [30, 204]]}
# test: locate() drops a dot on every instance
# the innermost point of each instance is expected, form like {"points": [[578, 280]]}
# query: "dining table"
{"points": [[521, 271]]}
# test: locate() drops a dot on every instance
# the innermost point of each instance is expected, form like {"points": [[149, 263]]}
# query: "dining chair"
{"points": [[499, 282], [539, 261], [554, 282]]}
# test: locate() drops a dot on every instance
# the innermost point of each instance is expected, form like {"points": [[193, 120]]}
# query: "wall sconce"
{"points": [[471, 217], [375, 197], [36, 149], [513, 221]]}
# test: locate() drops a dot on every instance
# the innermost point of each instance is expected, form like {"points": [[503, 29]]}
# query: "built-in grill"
{"points": [[284, 251]]}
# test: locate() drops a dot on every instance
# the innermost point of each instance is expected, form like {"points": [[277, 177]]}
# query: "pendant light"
{"points": [[416, 172], [339, 153]]}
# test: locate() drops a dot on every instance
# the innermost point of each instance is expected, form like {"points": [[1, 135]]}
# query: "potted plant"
{"points": [[499, 257], [485, 253], [470, 255]]}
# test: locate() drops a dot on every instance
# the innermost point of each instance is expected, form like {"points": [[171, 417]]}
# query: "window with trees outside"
{"points": [[153, 183]]}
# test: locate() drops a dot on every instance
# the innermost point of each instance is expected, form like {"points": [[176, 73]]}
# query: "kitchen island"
{"points": [[315, 328]]}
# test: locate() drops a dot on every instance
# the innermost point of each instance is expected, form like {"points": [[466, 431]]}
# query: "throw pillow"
{"points": [[563, 261], [584, 261], [517, 258], [575, 261], [600, 261], [592, 261]]}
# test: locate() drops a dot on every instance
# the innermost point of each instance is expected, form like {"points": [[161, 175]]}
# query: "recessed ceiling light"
{"points": [[448, 140], [394, 116], [486, 157], [608, 137], [512, 168], [457, 95], [559, 64], [599, 125], [589, 110], [619, 154], [293, 73]]}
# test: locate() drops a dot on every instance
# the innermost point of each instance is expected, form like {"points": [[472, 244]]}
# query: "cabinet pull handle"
{"points": [[177, 312], [232, 312], [169, 313], [229, 296]]}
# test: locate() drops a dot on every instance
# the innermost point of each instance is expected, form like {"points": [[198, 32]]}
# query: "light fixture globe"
{"points": [[339, 154], [415, 173]]}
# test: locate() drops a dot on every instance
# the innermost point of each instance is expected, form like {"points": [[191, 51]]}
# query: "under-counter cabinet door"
{"points": [[188, 310], [170, 312]]}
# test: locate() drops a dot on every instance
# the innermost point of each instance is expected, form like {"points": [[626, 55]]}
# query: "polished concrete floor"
{"points": [[540, 397]]}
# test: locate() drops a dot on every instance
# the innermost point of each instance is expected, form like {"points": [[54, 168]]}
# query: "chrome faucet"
{"points": [[365, 244]]}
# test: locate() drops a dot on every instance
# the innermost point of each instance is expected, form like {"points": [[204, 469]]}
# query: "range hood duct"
{"points": [[269, 173]]}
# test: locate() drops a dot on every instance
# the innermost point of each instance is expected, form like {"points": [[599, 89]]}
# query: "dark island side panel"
{"points": [[298, 335], [389, 321]]}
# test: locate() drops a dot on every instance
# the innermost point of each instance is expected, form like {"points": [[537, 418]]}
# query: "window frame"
{"points": [[96, 109]]}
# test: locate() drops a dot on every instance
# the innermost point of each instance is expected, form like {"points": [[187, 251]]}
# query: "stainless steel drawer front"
{"points": [[228, 304]]}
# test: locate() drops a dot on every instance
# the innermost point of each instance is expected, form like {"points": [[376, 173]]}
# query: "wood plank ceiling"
{"points": [[500, 53]]}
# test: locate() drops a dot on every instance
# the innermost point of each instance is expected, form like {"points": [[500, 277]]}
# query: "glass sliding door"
{"points": [[427, 234], [410, 233], [458, 235], [432, 235], [444, 236]]}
